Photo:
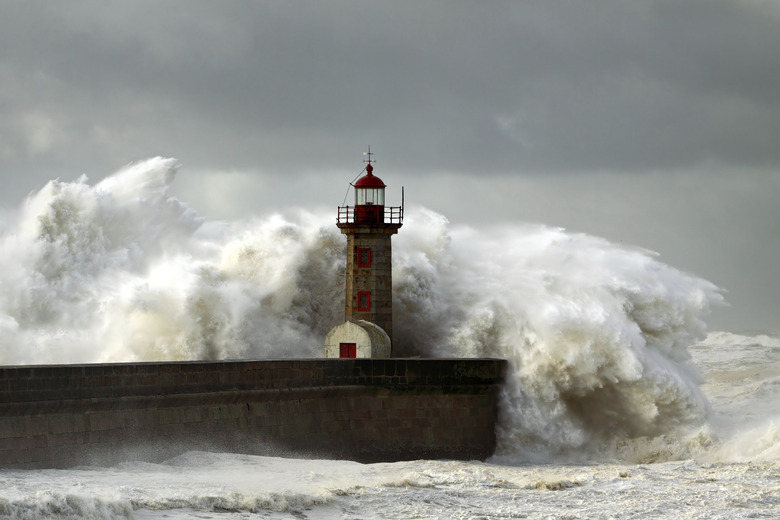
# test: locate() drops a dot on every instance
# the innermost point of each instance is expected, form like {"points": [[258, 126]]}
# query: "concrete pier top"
{"points": [[60, 382]]}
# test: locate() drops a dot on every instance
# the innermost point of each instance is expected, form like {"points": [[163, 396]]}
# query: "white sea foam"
{"points": [[121, 271], [596, 334], [228, 486]]}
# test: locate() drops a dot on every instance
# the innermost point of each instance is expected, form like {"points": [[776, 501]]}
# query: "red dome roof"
{"points": [[370, 180]]}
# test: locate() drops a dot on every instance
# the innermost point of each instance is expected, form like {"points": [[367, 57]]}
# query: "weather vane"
{"points": [[369, 153]]}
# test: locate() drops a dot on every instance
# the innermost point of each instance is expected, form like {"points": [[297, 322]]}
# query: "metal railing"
{"points": [[392, 215]]}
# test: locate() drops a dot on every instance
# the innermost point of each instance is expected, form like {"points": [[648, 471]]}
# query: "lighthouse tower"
{"points": [[368, 225]]}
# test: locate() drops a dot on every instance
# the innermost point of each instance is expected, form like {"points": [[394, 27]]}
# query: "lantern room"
{"points": [[369, 198], [369, 189]]}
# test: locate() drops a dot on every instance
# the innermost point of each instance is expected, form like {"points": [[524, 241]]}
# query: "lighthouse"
{"points": [[368, 310]]}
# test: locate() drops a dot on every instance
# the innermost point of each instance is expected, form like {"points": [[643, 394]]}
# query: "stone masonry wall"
{"points": [[360, 409]]}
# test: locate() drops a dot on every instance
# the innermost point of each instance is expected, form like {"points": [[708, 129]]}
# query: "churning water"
{"points": [[617, 404]]}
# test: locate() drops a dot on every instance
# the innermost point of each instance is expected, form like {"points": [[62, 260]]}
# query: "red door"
{"points": [[347, 350]]}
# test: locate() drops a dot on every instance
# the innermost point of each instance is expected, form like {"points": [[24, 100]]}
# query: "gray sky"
{"points": [[651, 122]]}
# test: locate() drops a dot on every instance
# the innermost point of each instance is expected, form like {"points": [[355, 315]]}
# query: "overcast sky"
{"points": [[653, 122]]}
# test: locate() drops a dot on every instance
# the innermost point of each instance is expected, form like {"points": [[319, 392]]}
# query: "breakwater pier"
{"points": [[367, 410]]}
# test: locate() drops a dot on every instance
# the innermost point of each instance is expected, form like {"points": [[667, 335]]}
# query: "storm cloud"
{"points": [[653, 122]]}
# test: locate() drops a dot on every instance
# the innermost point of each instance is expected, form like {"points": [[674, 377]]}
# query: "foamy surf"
{"points": [[596, 334]]}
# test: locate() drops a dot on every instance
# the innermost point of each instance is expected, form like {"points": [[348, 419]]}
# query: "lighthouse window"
{"points": [[364, 301], [365, 196], [364, 257]]}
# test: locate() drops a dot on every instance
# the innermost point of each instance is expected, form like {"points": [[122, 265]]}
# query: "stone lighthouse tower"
{"points": [[368, 225]]}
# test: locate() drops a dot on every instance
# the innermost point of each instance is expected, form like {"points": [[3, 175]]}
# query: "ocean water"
{"points": [[618, 403]]}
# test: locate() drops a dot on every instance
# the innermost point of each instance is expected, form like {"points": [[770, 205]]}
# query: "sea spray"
{"points": [[596, 334], [121, 271]]}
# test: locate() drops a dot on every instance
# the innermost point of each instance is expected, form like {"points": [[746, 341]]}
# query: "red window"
{"points": [[347, 350], [364, 257], [364, 301]]}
